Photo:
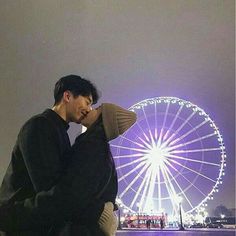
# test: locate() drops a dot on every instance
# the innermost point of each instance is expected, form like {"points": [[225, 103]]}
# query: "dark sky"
{"points": [[132, 50]]}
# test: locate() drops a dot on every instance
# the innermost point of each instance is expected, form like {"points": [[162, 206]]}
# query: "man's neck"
{"points": [[60, 110]]}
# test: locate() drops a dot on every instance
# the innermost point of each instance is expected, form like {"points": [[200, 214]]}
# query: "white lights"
{"points": [[156, 156], [178, 199], [222, 216], [125, 211], [174, 149], [162, 210]]}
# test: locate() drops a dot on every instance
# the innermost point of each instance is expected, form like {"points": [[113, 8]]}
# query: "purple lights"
{"points": [[173, 151]]}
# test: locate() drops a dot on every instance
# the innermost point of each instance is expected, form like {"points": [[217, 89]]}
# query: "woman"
{"points": [[77, 200], [103, 124]]}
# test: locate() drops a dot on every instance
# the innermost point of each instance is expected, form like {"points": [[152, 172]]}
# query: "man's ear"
{"points": [[66, 96]]}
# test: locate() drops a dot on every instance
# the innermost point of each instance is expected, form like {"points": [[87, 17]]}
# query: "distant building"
{"points": [[233, 211], [226, 222]]}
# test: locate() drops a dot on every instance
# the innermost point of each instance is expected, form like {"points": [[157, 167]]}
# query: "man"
{"points": [[39, 155], [90, 176]]}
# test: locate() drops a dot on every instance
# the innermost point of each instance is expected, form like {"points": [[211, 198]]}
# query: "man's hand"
{"points": [[7, 218]]}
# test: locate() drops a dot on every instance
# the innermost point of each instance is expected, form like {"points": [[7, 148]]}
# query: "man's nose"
{"points": [[89, 108]]}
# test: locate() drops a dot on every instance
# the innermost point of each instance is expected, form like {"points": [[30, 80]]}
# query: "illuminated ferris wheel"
{"points": [[173, 150]]}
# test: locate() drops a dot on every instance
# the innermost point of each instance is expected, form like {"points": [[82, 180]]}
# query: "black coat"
{"points": [[75, 197], [93, 148], [37, 162], [91, 156]]}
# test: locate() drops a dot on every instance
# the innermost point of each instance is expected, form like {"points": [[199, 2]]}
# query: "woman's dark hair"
{"points": [[77, 86]]}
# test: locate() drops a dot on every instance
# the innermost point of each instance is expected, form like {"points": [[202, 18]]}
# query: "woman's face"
{"points": [[91, 117]]}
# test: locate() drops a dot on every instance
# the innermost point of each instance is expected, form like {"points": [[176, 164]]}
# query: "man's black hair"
{"points": [[77, 86]]}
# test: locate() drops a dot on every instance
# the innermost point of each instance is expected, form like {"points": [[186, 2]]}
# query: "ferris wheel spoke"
{"points": [[128, 156], [170, 189], [198, 173], [168, 162], [166, 112], [132, 162], [180, 127], [134, 180], [159, 187], [173, 123], [160, 138], [143, 132], [132, 141], [181, 190], [144, 193], [144, 142], [191, 141], [144, 181], [167, 177], [130, 172], [196, 150], [155, 115], [187, 133], [129, 148], [148, 125], [151, 188], [192, 160], [159, 141]]}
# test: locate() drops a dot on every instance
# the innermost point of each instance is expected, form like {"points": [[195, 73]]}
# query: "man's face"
{"points": [[91, 117], [78, 108]]}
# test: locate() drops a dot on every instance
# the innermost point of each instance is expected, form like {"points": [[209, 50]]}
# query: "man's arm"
{"points": [[40, 148], [70, 197]]}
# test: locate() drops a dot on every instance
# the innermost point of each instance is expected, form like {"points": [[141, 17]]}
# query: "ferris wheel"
{"points": [[173, 150]]}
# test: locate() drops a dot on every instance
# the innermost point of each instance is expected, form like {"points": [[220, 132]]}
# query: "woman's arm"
{"points": [[74, 192]]}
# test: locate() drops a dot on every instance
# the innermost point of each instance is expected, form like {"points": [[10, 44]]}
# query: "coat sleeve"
{"points": [[72, 195], [38, 143]]}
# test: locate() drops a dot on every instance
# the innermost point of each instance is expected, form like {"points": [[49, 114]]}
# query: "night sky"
{"points": [[132, 50]]}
